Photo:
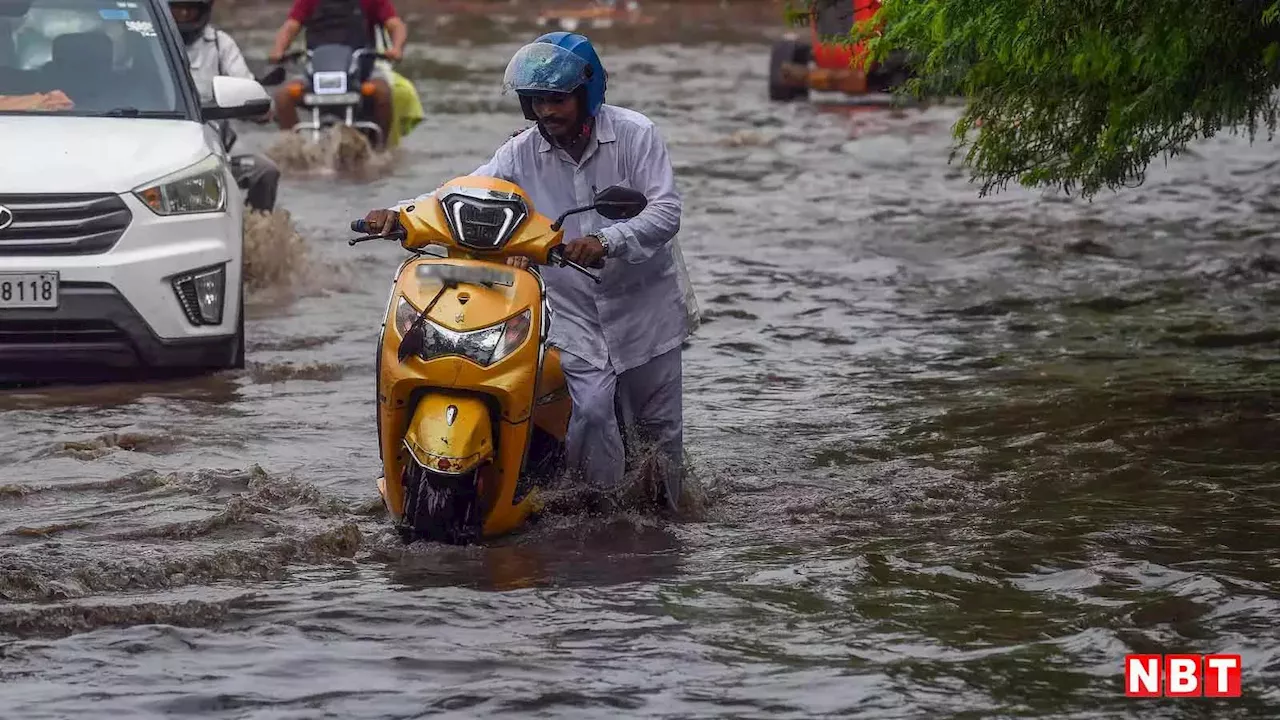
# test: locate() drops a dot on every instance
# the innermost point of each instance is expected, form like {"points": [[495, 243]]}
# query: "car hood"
{"points": [[52, 154]]}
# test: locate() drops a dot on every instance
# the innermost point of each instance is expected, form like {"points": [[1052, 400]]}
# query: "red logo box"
{"points": [[1182, 675]]}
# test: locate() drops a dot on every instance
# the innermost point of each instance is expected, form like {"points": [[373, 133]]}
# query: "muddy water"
{"points": [[960, 455]]}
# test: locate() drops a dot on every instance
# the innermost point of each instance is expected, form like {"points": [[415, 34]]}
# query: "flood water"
{"points": [[959, 455]]}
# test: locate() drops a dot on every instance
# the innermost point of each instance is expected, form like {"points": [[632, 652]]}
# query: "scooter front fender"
{"points": [[450, 433]]}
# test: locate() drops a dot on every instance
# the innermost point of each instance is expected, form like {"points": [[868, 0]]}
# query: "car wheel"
{"points": [[786, 52], [236, 361], [235, 350], [237, 358]]}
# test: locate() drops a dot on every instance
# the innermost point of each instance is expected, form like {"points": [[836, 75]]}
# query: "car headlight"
{"points": [[199, 188], [483, 219], [484, 347]]}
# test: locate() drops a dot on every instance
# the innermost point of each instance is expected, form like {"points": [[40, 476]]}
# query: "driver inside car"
{"points": [[64, 57], [53, 100], [19, 89]]}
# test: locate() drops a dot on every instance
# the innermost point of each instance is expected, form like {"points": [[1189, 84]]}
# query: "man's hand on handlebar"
{"points": [[393, 54], [586, 251], [382, 222]]}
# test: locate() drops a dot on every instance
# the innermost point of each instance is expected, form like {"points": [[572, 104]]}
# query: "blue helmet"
{"points": [[558, 62]]}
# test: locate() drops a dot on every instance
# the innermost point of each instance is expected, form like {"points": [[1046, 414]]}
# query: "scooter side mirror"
{"points": [[619, 203], [614, 202]]}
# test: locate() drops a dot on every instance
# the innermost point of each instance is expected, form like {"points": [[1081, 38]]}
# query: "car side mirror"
{"points": [[235, 97], [619, 203]]}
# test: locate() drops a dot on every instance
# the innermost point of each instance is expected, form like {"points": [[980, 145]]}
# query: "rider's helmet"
{"points": [[191, 29], [557, 63]]}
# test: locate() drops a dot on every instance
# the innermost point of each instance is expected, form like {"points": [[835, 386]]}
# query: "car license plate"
{"points": [[28, 290], [342, 99], [444, 272]]}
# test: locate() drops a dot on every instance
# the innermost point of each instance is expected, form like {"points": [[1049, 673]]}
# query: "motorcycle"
{"points": [[472, 405], [335, 88]]}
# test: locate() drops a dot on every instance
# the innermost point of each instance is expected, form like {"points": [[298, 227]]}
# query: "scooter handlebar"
{"points": [[557, 256], [361, 52], [362, 226]]}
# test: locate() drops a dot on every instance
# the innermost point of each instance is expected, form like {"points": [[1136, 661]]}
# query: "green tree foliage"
{"points": [[1083, 94]]}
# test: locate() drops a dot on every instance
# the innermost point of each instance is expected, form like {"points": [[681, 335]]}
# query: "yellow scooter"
{"points": [[472, 404]]}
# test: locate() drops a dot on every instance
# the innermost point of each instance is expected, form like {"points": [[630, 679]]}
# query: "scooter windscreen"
{"points": [[543, 67], [337, 68]]}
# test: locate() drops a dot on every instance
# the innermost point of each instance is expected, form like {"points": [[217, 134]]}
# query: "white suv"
{"points": [[121, 236]]}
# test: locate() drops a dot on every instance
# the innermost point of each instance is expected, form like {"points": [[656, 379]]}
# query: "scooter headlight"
{"points": [[482, 219], [484, 347]]}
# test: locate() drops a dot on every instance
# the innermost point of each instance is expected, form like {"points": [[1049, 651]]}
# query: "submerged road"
{"points": [[958, 455]]}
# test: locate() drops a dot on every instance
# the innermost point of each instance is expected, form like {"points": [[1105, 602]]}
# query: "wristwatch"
{"points": [[603, 242]]}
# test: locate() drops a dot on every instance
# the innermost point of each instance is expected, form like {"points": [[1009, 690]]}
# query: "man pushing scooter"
{"points": [[620, 340]]}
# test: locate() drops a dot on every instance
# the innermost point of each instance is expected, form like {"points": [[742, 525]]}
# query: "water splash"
{"points": [[274, 252], [278, 262], [637, 497], [340, 151]]}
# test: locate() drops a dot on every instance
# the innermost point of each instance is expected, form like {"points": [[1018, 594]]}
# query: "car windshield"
{"points": [[83, 57]]}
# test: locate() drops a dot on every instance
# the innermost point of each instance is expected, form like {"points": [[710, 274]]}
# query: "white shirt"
{"points": [[211, 54], [638, 311]]}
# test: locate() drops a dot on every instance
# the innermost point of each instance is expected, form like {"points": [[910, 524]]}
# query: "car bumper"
{"points": [[143, 262], [96, 328], [119, 308]]}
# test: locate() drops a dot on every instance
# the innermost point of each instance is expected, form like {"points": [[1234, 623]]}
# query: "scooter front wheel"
{"points": [[439, 508]]}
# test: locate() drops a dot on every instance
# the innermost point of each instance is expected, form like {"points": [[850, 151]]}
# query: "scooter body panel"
{"points": [[450, 408]]}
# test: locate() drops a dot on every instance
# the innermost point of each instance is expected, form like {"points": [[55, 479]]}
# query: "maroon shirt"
{"points": [[376, 12]]}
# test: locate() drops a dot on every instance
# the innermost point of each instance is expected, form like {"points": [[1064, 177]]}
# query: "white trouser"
{"points": [[648, 401]]}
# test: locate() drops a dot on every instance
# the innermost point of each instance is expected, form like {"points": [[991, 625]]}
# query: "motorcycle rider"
{"points": [[620, 340], [345, 22], [212, 52]]}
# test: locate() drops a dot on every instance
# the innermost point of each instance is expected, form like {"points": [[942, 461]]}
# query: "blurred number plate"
{"points": [[28, 290], [343, 99], [465, 274], [329, 83]]}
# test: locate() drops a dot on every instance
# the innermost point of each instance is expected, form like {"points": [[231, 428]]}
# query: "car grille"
{"points": [[59, 332], [62, 224]]}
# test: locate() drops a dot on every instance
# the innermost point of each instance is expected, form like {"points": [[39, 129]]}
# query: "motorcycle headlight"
{"points": [[199, 188], [483, 219], [484, 347]]}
